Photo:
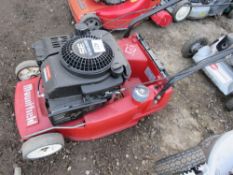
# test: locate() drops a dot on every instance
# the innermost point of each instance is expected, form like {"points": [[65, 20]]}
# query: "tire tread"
{"points": [[180, 162]]}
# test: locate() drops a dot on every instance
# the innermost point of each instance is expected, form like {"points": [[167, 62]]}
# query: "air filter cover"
{"points": [[87, 55]]}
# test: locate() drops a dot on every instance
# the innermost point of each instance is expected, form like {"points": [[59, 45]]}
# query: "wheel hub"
{"points": [[44, 151], [196, 47], [92, 23], [28, 72], [182, 13]]}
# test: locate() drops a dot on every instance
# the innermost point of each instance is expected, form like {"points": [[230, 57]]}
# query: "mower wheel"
{"points": [[181, 162], [191, 47], [181, 10], [27, 69], [42, 146], [92, 21], [230, 14], [229, 104]]}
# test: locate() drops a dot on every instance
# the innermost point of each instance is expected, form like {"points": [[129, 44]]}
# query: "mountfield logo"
{"points": [[31, 118]]}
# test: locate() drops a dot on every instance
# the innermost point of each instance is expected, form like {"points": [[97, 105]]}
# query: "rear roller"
{"points": [[181, 162]]}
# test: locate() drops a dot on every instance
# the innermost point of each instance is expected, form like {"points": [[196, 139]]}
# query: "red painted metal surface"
{"points": [[109, 14], [162, 19], [113, 117]]}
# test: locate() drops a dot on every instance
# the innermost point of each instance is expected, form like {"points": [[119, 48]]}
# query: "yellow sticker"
{"points": [[202, 14], [133, 0]]}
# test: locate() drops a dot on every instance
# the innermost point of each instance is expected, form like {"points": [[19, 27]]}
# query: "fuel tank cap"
{"points": [[140, 93]]}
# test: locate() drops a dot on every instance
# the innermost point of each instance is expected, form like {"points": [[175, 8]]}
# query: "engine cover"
{"points": [[86, 64], [78, 71]]}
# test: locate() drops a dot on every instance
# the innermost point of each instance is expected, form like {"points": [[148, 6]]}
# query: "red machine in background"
{"points": [[115, 14]]}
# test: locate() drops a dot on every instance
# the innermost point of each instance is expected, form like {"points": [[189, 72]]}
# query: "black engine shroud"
{"points": [[79, 72]]}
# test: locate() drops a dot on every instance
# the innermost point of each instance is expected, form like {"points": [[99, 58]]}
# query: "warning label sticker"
{"points": [[98, 46]]}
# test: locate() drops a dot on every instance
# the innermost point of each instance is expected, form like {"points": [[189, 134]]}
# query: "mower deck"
{"points": [[32, 117]]}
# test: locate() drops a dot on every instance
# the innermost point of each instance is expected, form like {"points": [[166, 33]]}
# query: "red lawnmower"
{"points": [[117, 14], [88, 85]]}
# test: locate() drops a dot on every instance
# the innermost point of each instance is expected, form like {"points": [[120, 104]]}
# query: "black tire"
{"points": [[177, 8], [230, 15], [92, 21], [181, 162], [229, 104], [207, 144], [191, 47]]}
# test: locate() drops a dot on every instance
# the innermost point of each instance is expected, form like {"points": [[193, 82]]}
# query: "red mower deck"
{"points": [[69, 90], [32, 118]]}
